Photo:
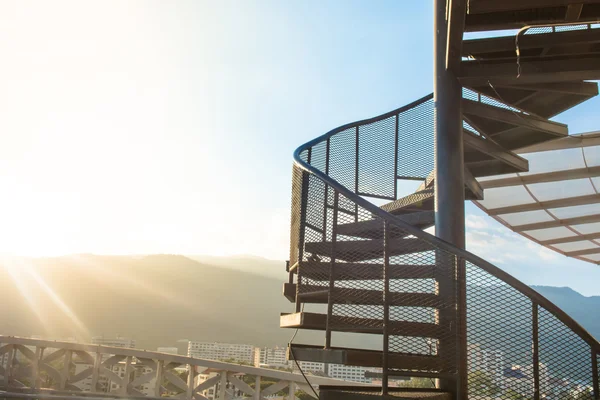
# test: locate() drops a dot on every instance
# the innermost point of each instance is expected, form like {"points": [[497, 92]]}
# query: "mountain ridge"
{"points": [[159, 299]]}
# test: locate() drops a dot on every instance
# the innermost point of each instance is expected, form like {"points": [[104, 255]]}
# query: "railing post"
{"points": [[64, 378], [126, 379], [190, 382], [302, 227], [326, 199], [158, 377], [256, 388], [386, 309], [292, 391], [331, 271], [595, 377], [35, 367], [536, 355], [462, 367], [396, 145], [223, 385], [9, 367], [96, 371], [356, 169]]}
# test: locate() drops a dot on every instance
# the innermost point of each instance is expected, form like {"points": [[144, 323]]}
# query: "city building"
{"points": [[312, 367], [350, 373], [241, 353], [488, 361], [274, 357]]}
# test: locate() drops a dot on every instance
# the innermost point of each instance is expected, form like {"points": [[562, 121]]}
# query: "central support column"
{"points": [[449, 188]]}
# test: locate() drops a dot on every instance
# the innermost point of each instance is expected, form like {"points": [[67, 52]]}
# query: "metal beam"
{"points": [[512, 117], [556, 223], [554, 176], [585, 252], [582, 88], [571, 239], [542, 40], [495, 151], [454, 39], [547, 205], [476, 73], [491, 6], [473, 186], [567, 142]]}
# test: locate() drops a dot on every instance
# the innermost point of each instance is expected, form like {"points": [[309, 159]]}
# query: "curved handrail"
{"points": [[496, 272]]}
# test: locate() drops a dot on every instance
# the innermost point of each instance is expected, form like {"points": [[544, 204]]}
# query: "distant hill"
{"points": [[159, 299], [156, 300], [585, 310]]}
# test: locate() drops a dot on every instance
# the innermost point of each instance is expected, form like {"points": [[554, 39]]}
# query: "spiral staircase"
{"points": [[371, 271]]}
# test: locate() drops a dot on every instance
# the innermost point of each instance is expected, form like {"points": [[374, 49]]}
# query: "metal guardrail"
{"points": [[519, 344], [36, 369]]}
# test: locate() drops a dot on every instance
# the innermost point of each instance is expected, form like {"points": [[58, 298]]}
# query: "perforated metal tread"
{"points": [[316, 321], [363, 358], [546, 99], [363, 271], [341, 295], [372, 393], [361, 250], [372, 229]]}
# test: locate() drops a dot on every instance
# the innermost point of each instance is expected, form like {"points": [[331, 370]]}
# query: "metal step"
{"points": [[362, 250], [497, 123], [363, 358], [319, 295], [318, 322], [415, 202], [501, 72], [478, 149], [319, 271], [373, 229], [489, 15], [545, 99], [374, 393]]}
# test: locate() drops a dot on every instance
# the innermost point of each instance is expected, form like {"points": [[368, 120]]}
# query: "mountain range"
{"points": [[159, 300]]}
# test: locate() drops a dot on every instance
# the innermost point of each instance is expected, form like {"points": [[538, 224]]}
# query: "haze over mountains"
{"points": [[160, 299]]}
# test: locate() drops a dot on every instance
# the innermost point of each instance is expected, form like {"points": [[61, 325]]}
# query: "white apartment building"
{"points": [[316, 368], [146, 388], [271, 357], [488, 361], [350, 373], [222, 351]]}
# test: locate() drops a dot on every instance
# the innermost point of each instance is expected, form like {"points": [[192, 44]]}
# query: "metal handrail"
{"points": [[534, 296]]}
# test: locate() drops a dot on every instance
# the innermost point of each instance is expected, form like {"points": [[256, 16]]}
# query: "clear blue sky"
{"points": [[135, 127]]}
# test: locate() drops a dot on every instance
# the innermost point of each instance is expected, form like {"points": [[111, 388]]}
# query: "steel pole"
{"points": [[449, 193]]}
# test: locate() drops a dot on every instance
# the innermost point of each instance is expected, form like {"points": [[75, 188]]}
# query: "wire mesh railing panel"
{"points": [[415, 141], [358, 302], [499, 337], [342, 158], [565, 360], [315, 210], [296, 223], [376, 158]]}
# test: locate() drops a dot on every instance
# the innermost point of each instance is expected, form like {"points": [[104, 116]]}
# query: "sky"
{"points": [[136, 127]]}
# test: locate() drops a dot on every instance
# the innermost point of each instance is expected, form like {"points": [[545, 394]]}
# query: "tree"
{"points": [[481, 383]]}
